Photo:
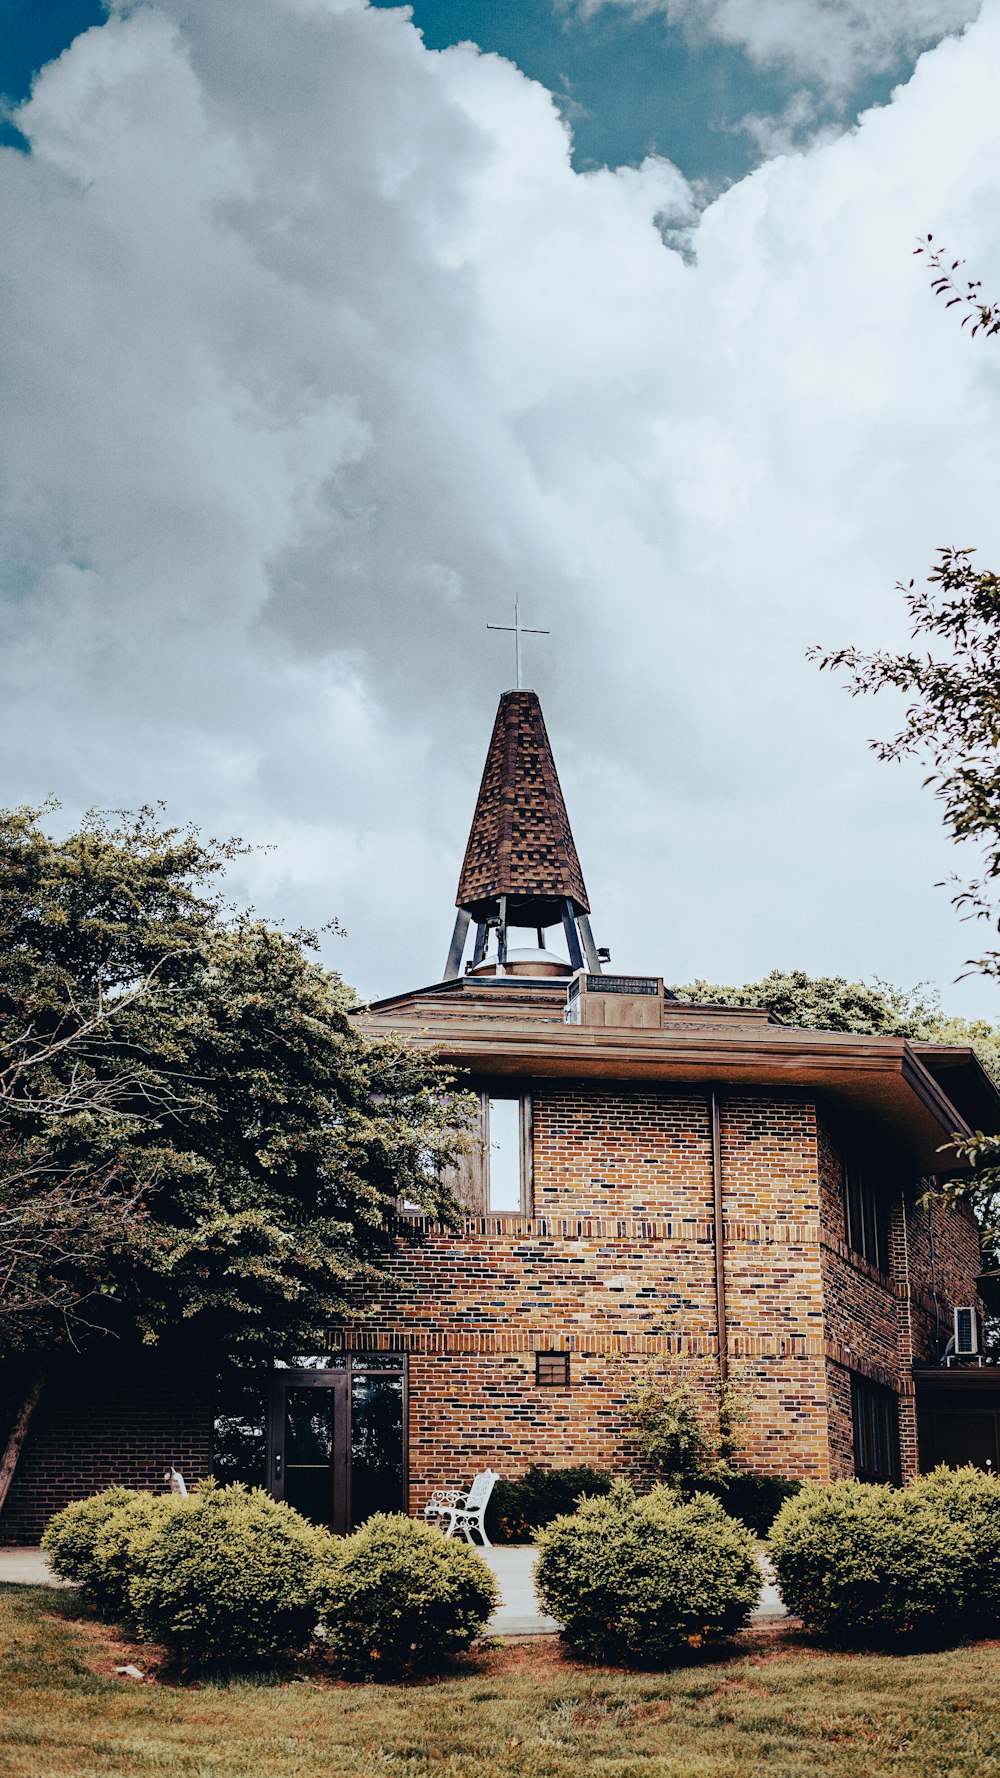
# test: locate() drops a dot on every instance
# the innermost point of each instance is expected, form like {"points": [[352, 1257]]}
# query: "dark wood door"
{"points": [[957, 1436]]}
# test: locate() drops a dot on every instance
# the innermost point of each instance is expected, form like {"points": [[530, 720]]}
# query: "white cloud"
{"points": [[834, 42], [317, 349]]}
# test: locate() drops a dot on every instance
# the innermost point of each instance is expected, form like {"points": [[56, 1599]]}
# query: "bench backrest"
{"points": [[482, 1488]]}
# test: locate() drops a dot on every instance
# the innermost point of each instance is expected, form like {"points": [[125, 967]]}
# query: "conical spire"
{"points": [[521, 844], [521, 867]]}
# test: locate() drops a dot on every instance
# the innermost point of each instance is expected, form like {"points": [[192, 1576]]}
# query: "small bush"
{"points": [[867, 1565], [229, 1578], [755, 1499], [398, 1596], [90, 1542], [518, 1510], [639, 1581], [970, 1499]]}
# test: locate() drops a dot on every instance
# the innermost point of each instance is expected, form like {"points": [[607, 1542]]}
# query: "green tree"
{"points": [[196, 1142], [831, 1003], [951, 680], [675, 1436], [824, 1003]]}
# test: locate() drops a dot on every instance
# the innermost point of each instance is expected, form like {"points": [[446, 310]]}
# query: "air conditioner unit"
{"points": [[966, 1333]]}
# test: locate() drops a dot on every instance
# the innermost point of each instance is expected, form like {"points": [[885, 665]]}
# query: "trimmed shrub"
{"points": [[970, 1498], [229, 1578], [866, 1565], [640, 1581], [756, 1499], [398, 1596], [90, 1542], [518, 1510]]}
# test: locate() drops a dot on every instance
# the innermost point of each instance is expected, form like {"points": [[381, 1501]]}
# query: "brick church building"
{"points": [[696, 1191]]}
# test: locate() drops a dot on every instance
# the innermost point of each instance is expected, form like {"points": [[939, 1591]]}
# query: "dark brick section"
{"points": [[879, 1324], [101, 1421], [520, 843]]}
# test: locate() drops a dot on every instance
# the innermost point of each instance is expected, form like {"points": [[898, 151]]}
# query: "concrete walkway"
{"points": [[518, 1613], [27, 1568]]}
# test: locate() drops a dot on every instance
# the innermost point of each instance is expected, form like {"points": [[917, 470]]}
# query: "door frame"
{"points": [[338, 1382], [336, 1378]]}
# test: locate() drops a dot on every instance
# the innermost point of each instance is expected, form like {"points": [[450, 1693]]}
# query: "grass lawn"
{"points": [[520, 1711]]}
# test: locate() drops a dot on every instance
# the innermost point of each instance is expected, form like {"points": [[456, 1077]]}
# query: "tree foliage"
{"points": [[676, 1439], [831, 1003], [966, 294], [952, 719], [824, 1003], [951, 680], [193, 1133]]}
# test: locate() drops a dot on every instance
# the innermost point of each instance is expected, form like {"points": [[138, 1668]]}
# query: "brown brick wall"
{"points": [[617, 1266], [774, 1310], [99, 1423], [955, 1265]]}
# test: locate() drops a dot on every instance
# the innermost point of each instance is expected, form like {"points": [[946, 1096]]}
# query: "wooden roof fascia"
{"points": [[842, 1065], [929, 1090], [638, 1049]]}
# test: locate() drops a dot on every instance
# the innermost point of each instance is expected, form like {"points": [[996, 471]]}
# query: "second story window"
{"points": [[507, 1155], [867, 1229]]}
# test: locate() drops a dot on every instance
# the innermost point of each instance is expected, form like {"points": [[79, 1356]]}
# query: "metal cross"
{"points": [[517, 630]]}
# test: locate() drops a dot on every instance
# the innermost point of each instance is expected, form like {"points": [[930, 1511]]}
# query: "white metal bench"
{"points": [[464, 1510]]}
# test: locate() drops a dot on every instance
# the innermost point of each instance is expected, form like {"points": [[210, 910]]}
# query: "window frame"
{"points": [[866, 1218], [525, 1152], [562, 1382]]}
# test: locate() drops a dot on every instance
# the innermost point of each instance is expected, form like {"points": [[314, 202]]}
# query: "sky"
{"points": [[329, 328]]}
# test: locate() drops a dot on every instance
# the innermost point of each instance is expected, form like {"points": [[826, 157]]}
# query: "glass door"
{"points": [[309, 1444], [337, 1437], [378, 1480]]}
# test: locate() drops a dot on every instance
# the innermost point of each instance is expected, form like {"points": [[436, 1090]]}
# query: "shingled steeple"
{"points": [[521, 867]]}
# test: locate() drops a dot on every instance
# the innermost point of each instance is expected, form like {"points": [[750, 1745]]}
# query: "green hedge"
{"points": [[970, 1498], [640, 1581], [92, 1543], [518, 1510], [229, 1578], [867, 1565], [755, 1499], [399, 1595]]}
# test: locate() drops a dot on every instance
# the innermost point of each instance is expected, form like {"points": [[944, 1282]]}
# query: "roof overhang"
{"points": [[972, 1385], [879, 1083]]}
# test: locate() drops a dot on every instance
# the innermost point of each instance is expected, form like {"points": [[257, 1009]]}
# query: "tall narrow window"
{"points": [[876, 1431], [867, 1232], [506, 1132]]}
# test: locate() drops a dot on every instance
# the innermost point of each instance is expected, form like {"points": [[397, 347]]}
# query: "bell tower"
{"points": [[521, 870]]}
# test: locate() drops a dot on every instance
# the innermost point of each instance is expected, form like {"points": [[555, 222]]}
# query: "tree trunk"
{"points": [[19, 1430]]}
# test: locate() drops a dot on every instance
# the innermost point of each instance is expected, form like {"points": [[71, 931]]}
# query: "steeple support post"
{"points": [[589, 947], [573, 944], [457, 946]]}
